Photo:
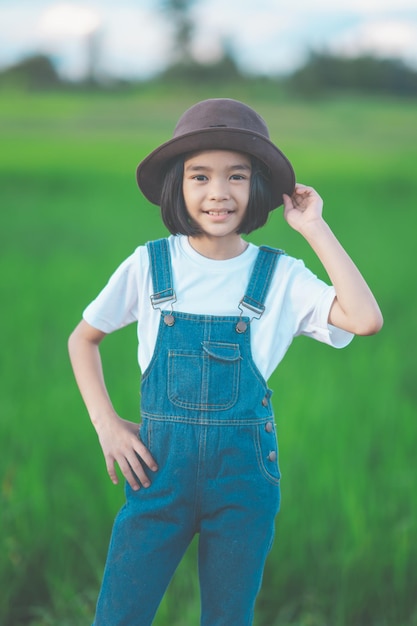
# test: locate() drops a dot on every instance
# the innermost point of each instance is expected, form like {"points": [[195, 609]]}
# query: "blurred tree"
{"points": [[93, 44], [179, 13], [34, 72], [184, 66], [222, 71], [324, 72]]}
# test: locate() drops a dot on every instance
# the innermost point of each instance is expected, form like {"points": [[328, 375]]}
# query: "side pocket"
{"points": [[145, 433], [266, 446]]}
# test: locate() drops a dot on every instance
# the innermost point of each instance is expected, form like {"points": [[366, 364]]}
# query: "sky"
{"points": [[133, 38]]}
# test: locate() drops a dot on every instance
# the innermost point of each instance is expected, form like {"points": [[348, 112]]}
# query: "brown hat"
{"points": [[218, 124]]}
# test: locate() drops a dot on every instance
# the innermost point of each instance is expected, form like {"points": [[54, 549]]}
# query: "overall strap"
{"points": [[260, 280], [161, 272]]}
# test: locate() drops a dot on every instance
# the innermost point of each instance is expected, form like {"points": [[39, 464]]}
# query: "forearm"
{"points": [[87, 366], [355, 308], [118, 438]]}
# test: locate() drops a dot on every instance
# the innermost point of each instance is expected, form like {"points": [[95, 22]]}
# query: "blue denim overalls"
{"points": [[207, 420]]}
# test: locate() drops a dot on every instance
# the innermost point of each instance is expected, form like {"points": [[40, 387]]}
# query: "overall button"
{"points": [[265, 401], [241, 327], [272, 456], [269, 427], [169, 320]]}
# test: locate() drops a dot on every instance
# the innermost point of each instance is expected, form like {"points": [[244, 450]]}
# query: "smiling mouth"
{"points": [[220, 212]]}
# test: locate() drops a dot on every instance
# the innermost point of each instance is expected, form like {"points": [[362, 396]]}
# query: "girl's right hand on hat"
{"points": [[120, 444]]}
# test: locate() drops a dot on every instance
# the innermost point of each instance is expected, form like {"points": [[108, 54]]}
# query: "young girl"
{"points": [[215, 316]]}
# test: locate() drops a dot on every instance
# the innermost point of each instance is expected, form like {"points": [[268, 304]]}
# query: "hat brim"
{"points": [[151, 171]]}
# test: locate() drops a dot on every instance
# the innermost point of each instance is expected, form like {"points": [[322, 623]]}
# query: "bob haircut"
{"points": [[174, 212]]}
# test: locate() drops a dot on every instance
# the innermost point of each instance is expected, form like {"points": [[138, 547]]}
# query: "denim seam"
{"points": [[264, 471], [207, 421], [204, 361]]}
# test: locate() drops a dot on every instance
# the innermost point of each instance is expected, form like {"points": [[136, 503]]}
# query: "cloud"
{"points": [[17, 35], [265, 36], [276, 38], [68, 19], [259, 39], [137, 41], [129, 42], [358, 7], [384, 38]]}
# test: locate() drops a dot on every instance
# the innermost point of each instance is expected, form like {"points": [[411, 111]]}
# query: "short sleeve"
{"points": [[116, 305], [311, 300]]}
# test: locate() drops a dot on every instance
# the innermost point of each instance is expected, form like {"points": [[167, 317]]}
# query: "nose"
{"points": [[219, 190]]}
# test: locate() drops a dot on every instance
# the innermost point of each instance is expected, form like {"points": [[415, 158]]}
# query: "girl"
{"points": [[215, 316]]}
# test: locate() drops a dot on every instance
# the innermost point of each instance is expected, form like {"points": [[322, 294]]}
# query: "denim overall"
{"points": [[207, 420]]}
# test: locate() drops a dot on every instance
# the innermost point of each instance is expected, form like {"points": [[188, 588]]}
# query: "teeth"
{"points": [[218, 212]]}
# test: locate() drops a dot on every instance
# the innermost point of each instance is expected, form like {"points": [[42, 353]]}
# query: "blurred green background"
{"points": [[345, 552]]}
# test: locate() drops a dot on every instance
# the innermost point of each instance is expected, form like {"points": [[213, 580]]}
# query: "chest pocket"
{"points": [[206, 379]]}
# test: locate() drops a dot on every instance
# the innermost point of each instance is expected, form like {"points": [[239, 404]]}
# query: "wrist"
{"points": [[101, 418], [314, 230]]}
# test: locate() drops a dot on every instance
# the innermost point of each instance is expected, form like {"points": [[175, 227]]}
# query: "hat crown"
{"points": [[220, 113]]}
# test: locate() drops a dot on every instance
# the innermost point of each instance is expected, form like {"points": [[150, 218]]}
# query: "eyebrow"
{"points": [[201, 168]]}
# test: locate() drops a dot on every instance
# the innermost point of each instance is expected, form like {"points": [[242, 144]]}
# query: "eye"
{"points": [[238, 177], [200, 177]]}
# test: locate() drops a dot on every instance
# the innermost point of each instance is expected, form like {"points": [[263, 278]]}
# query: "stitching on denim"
{"points": [[207, 365], [259, 455], [261, 276], [205, 420], [161, 271]]}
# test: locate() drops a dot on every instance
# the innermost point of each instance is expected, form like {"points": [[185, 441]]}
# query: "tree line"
{"points": [[322, 73]]}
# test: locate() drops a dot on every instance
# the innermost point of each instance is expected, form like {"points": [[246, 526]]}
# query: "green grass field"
{"points": [[346, 544]]}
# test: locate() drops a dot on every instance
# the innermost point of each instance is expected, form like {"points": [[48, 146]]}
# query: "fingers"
{"points": [[287, 200], [131, 466], [111, 470], [121, 445], [299, 187], [304, 198], [145, 455], [140, 455], [300, 194], [132, 469]]}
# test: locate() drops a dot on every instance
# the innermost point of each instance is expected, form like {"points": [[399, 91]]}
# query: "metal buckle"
{"points": [[169, 319], [242, 326]]}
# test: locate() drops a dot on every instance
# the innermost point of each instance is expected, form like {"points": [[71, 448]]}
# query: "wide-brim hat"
{"points": [[218, 124]]}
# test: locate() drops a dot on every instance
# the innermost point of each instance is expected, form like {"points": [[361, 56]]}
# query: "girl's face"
{"points": [[216, 190]]}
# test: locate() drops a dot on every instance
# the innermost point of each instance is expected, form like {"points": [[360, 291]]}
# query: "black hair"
{"points": [[174, 212]]}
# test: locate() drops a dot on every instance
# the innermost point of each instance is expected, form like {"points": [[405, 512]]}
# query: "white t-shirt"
{"points": [[298, 303]]}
